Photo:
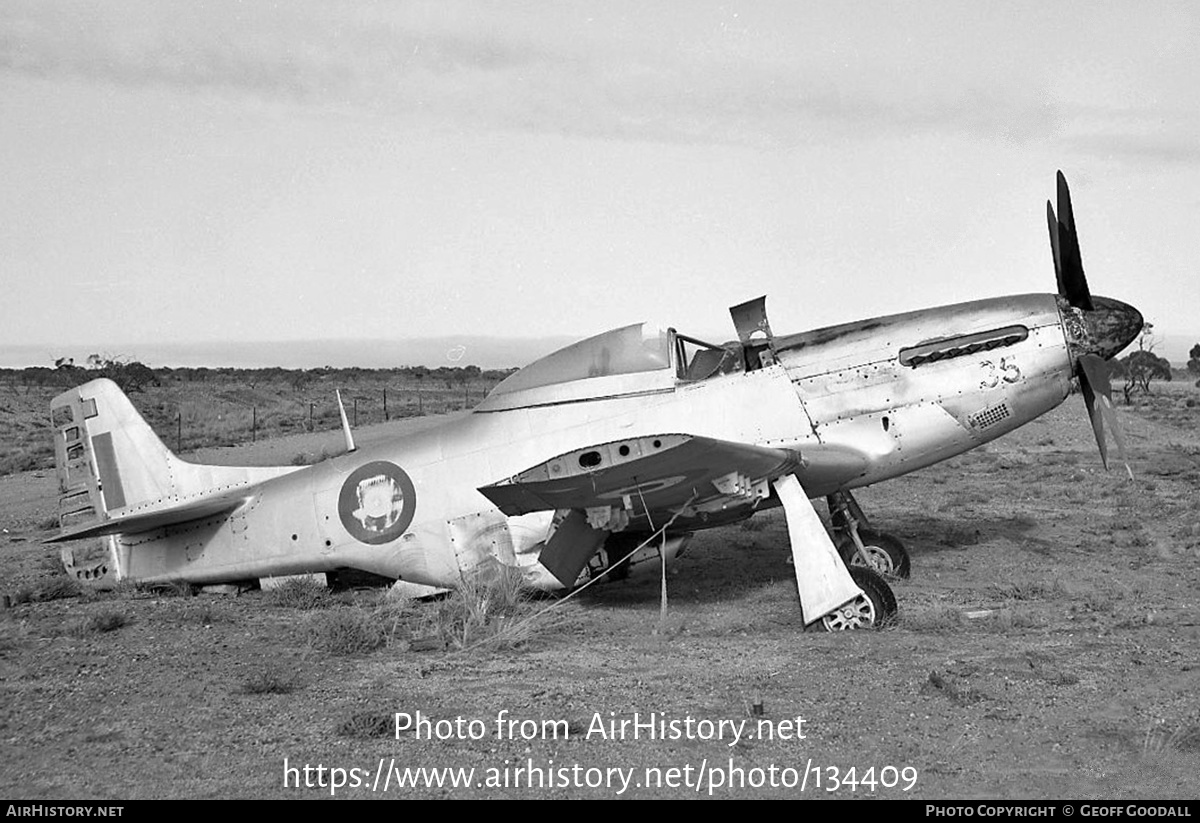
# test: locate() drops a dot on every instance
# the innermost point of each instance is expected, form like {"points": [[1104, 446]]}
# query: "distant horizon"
{"points": [[486, 352], [460, 350]]}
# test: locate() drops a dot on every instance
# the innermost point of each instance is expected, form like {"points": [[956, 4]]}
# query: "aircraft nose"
{"points": [[1112, 325]]}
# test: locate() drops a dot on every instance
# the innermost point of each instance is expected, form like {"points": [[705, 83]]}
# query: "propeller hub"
{"points": [[1103, 330]]}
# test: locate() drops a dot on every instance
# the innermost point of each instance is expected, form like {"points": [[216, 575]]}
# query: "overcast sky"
{"points": [[240, 171]]}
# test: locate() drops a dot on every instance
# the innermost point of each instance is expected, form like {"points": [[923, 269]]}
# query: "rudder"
{"points": [[106, 456]]}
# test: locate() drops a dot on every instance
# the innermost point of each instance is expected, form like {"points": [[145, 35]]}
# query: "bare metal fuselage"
{"points": [[903, 392]]}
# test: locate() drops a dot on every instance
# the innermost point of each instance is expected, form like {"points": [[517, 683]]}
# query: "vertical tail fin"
{"points": [[112, 466], [107, 457]]}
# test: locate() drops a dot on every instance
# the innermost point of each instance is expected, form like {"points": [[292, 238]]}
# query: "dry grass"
{"points": [[489, 606], [270, 681], [959, 690], [300, 593], [13, 636], [1030, 590], [348, 631], [100, 622], [930, 619], [57, 588], [366, 724], [1006, 620]]}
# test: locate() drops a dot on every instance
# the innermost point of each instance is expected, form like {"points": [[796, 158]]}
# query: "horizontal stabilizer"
{"points": [[148, 521]]}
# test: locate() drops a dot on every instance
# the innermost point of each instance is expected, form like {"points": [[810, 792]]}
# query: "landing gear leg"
{"points": [[861, 545], [832, 596]]}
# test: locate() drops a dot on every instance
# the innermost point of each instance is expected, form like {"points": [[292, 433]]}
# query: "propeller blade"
{"points": [[1054, 247], [1072, 283], [1089, 399], [1097, 394]]}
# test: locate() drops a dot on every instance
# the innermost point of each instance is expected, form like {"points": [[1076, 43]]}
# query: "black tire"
{"points": [[879, 544], [877, 611], [875, 586]]}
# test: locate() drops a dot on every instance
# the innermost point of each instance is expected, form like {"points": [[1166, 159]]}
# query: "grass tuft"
{"points": [[487, 606], [931, 619], [57, 588], [366, 724], [348, 631], [270, 681], [173, 588], [300, 593], [105, 620], [959, 690], [1005, 620], [1030, 590]]}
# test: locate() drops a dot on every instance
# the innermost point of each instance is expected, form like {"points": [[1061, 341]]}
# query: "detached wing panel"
{"points": [[656, 473]]}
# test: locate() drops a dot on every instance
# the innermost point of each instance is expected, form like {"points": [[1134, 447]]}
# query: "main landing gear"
{"points": [[862, 546], [875, 609]]}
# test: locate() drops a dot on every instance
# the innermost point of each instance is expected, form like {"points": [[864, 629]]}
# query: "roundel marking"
{"points": [[377, 502], [649, 487]]}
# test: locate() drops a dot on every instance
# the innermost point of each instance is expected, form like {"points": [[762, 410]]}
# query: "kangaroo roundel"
{"points": [[377, 502]]}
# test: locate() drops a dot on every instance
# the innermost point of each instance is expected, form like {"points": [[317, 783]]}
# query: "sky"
{"points": [[236, 172]]}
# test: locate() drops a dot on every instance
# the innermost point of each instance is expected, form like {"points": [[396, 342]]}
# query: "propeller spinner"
{"points": [[1098, 328]]}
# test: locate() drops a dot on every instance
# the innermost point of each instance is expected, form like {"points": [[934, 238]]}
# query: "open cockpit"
{"points": [[636, 359]]}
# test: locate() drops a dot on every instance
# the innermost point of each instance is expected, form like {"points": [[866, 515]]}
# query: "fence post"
{"points": [[356, 412], [254, 424], [311, 427], [385, 413], [179, 432]]}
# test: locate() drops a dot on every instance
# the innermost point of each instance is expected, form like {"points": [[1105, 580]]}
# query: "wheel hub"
{"points": [[857, 614], [879, 559]]}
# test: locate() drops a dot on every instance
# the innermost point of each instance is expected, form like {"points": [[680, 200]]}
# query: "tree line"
{"points": [[133, 376]]}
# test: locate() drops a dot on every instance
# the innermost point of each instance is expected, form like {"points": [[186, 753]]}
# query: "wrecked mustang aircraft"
{"points": [[637, 436]]}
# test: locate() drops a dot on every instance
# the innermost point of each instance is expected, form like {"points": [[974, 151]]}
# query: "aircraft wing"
{"points": [[701, 480], [664, 472], [643, 475]]}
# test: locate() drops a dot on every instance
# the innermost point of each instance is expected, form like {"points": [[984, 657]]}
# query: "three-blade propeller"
{"points": [[1092, 370]]}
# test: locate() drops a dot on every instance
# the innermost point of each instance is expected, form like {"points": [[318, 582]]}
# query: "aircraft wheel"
{"points": [[877, 608], [886, 553]]}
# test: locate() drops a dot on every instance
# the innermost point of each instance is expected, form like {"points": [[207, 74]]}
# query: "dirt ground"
{"points": [[1080, 680]]}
